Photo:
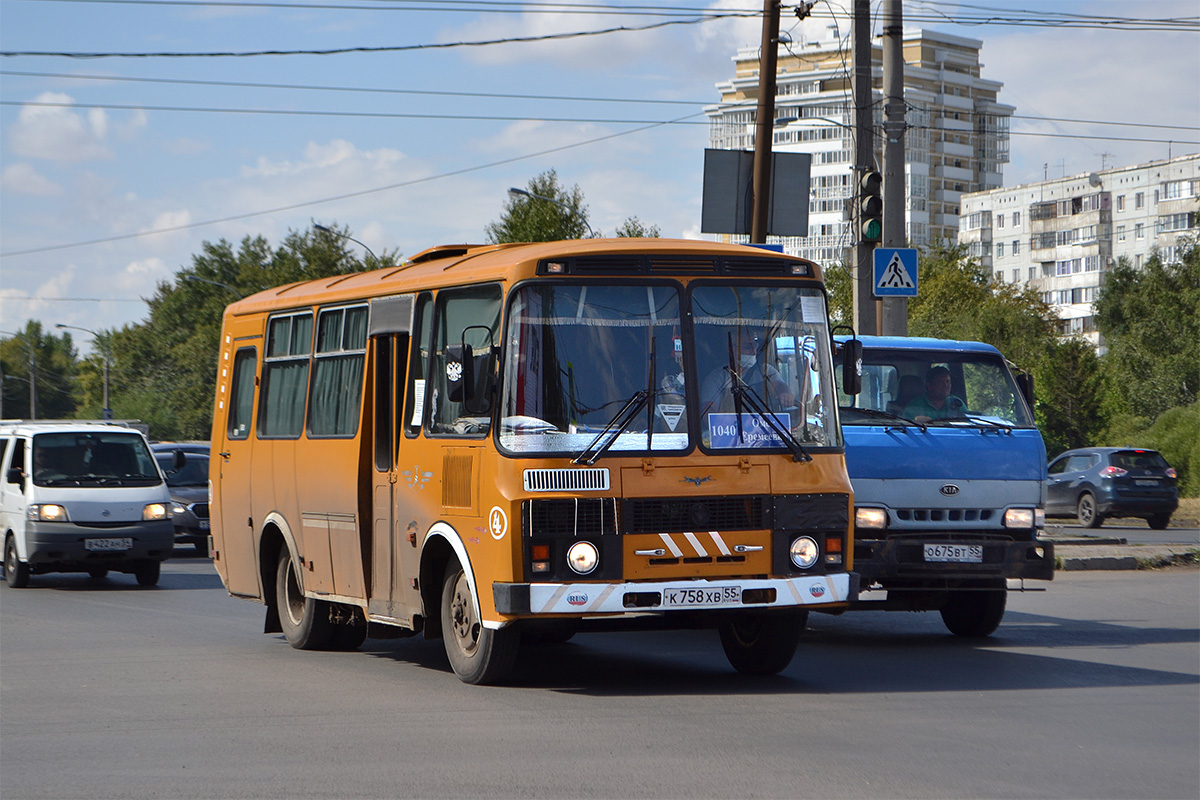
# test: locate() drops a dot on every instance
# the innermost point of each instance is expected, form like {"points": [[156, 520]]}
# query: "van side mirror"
{"points": [[852, 355], [15, 475]]}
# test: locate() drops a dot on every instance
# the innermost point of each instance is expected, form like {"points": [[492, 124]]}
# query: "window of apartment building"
{"points": [[1120, 202], [999, 220], [1120, 233], [1137, 261], [1139, 231], [1048, 269], [999, 249], [999, 276], [1016, 247], [1033, 273], [1016, 219], [1016, 276], [1156, 197], [1091, 264], [1175, 222], [1139, 200], [1062, 267]]}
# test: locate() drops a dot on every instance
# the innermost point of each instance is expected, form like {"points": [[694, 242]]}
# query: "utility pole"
{"points": [[895, 309], [866, 316], [764, 128]]}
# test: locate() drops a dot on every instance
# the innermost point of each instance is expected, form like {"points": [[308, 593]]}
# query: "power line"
{"points": [[382, 48], [439, 93], [293, 206]]}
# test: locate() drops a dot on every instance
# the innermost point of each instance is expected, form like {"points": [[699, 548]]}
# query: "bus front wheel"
{"points": [[762, 643], [305, 621], [477, 654]]}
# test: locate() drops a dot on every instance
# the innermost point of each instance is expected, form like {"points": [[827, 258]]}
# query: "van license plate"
{"points": [[698, 598], [108, 544], [958, 553]]}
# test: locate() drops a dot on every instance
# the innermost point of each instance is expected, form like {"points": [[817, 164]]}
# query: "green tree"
{"points": [[632, 228], [1070, 384], [1150, 321], [530, 219], [46, 361], [164, 370]]}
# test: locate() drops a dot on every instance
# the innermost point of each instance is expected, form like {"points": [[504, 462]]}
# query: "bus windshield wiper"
{"points": [[877, 414], [616, 426], [744, 396]]}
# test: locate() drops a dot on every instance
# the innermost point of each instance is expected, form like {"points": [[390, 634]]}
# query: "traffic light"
{"points": [[870, 206]]}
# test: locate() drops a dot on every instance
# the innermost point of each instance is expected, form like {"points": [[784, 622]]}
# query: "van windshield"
{"points": [[93, 459]]}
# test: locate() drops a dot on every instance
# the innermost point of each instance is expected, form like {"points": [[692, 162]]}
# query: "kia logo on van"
{"points": [[949, 490]]}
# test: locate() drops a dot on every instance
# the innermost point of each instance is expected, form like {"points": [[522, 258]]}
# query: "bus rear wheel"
{"points": [[762, 643], [477, 654], [305, 621]]}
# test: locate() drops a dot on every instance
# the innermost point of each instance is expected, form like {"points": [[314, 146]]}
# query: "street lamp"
{"points": [[236, 293], [323, 229], [514, 192], [105, 352]]}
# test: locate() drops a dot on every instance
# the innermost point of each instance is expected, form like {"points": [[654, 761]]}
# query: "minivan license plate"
{"points": [[959, 553], [108, 544], [700, 597]]}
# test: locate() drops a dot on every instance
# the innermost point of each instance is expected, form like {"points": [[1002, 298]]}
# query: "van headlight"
{"points": [[1021, 517], [155, 511], [870, 518], [47, 512]]}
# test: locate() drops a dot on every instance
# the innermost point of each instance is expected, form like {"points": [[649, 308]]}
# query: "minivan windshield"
{"points": [[93, 458], [942, 387]]}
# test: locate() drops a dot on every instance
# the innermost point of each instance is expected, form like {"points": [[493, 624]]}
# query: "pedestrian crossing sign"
{"points": [[895, 272]]}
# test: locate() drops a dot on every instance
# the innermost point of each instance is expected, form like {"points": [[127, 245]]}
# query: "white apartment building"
{"points": [[1063, 236], [956, 140]]}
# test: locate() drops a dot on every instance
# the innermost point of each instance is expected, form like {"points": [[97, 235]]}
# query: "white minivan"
{"points": [[81, 496]]}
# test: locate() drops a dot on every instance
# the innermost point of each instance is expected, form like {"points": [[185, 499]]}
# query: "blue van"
{"points": [[949, 471]]}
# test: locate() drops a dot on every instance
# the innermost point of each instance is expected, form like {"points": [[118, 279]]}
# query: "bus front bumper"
{"points": [[582, 599]]}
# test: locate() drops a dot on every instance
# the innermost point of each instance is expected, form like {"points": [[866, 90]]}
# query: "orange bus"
{"points": [[497, 444]]}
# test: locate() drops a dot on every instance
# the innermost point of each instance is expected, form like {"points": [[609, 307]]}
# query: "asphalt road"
{"points": [[1090, 689]]}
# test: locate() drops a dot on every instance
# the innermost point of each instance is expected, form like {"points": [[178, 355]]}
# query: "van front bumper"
{"points": [[583, 599], [66, 543]]}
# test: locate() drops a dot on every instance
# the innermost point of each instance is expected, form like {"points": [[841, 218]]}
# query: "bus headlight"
{"points": [[870, 518], [47, 512], [804, 552], [582, 558], [155, 511]]}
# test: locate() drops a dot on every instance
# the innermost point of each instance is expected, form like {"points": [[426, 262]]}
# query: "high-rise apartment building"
{"points": [[956, 140], [1062, 236]]}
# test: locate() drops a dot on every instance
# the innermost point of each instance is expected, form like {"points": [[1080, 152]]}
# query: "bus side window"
{"points": [[241, 395], [337, 381], [468, 317], [414, 400], [285, 376]]}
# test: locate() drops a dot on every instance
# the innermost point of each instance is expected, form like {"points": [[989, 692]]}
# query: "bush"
{"points": [[1175, 434]]}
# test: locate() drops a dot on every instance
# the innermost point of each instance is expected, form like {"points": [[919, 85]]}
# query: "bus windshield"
{"points": [[606, 367]]}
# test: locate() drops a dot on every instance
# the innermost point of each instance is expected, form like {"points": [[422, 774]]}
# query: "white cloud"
{"points": [[22, 178], [58, 134]]}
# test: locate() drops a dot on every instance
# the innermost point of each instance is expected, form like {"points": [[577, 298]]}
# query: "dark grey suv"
{"points": [[186, 469], [1093, 483]]}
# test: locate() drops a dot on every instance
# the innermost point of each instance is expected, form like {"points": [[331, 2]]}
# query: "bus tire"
{"points": [[147, 573], [16, 572], [305, 621], [974, 614], [477, 654], [348, 637], [762, 643]]}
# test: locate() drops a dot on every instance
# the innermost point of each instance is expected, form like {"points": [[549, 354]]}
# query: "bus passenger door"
{"points": [[234, 537], [394, 560]]}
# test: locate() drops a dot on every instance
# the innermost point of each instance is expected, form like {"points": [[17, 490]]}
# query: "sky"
{"points": [[115, 169]]}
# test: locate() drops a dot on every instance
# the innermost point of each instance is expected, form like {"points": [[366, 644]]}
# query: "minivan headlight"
{"points": [[47, 512], [155, 511]]}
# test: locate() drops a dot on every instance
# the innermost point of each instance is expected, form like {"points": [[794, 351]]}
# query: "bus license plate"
{"points": [[959, 553], [108, 544], [701, 597]]}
